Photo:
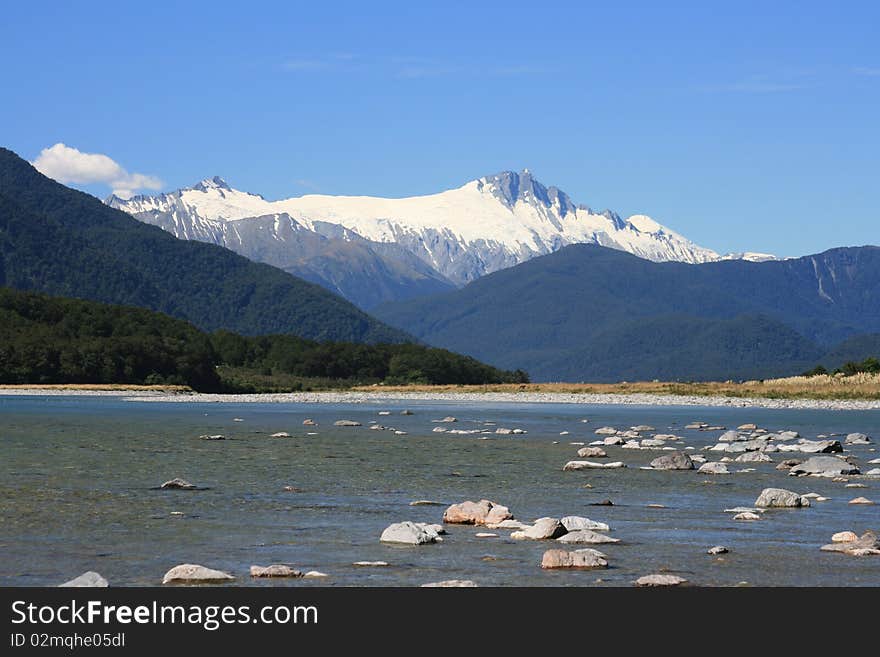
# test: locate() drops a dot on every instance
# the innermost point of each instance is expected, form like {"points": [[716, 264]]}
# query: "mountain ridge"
{"points": [[487, 224], [57, 240], [541, 313]]}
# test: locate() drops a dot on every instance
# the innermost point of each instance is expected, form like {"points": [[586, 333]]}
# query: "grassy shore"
{"points": [[827, 387], [859, 386]]}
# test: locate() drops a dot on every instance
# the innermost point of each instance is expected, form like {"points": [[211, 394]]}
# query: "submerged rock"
{"points": [[586, 536], [346, 423], [194, 573], [714, 467], [586, 465], [583, 558], [747, 515], [718, 549], [215, 436], [866, 545], [753, 457], [591, 452], [483, 512], [857, 439], [660, 579], [824, 466], [779, 498], [861, 500], [673, 461], [450, 583], [275, 570], [280, 434], [178, 484], [87, 579], [575, 523]]}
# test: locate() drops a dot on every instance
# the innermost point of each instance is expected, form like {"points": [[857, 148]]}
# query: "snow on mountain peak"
{"points": [[493, 222], [215, 182]]}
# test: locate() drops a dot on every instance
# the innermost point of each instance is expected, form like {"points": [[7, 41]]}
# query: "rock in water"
{"points": [[779, 498], [543, 529], [844, 537], [275, 570], [450, 583], [346, 423], [586, 536], [87, 579], [575, 523], [195, 574], [866, 545], [178, 483], [714, 467], [215, 436], [823, 466], [588, 465], [753, 457], [583, 558], [718, 549], [660, 580], [281, 434], [410, 533], [857, 439], [861, 500], [673, 461], [591, 452], [309, 422], [483, 512]]}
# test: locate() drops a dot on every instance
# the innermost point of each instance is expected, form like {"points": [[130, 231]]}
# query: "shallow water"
{"points": [[80, 476]]}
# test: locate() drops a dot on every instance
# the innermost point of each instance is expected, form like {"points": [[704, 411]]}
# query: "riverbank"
{"points": [[374, 396]]}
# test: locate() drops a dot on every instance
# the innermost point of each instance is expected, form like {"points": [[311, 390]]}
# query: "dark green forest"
{"points": [[59, 241], [58, 340]]}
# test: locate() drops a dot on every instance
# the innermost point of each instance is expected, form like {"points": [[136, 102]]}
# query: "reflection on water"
{"points": [[78, 491]]}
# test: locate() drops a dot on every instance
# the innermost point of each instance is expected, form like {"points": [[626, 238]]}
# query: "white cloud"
{"points": [[69, 165]]}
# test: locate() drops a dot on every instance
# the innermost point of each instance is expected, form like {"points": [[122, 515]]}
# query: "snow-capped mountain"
{"points": [[458, 235]]}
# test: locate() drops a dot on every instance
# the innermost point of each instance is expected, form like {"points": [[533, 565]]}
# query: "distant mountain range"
{"points": [[60, 241], [374, 250], [589, 313]]}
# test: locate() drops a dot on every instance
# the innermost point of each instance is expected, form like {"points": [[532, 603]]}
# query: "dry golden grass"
{"points": [[860, 386], [108, 387]]}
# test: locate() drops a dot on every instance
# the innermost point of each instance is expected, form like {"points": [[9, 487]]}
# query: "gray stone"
{"points": [[718, 549], [857, 439], [194, 573], [753, 457], [583, 558], [673, 461], [543, 529], [660, 580], [178, 484], [714, 467], [346, 423], [586, 536], [591, 452], [275, 570], [410, 533], [825, 466], [867, 544], [87, 579], [780, 498], [450, 583], [575, 523], [586, 465]]}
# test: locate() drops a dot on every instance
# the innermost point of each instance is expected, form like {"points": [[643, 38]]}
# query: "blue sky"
{"points": [[744, 126]]}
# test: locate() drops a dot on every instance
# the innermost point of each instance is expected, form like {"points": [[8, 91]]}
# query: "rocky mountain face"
{"points": [[373, 250]]}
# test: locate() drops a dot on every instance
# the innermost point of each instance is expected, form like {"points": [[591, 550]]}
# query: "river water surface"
{"points": [[79, 490]]}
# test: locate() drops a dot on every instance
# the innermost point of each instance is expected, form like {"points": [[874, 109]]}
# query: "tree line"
{"points": [[60, 340]]}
